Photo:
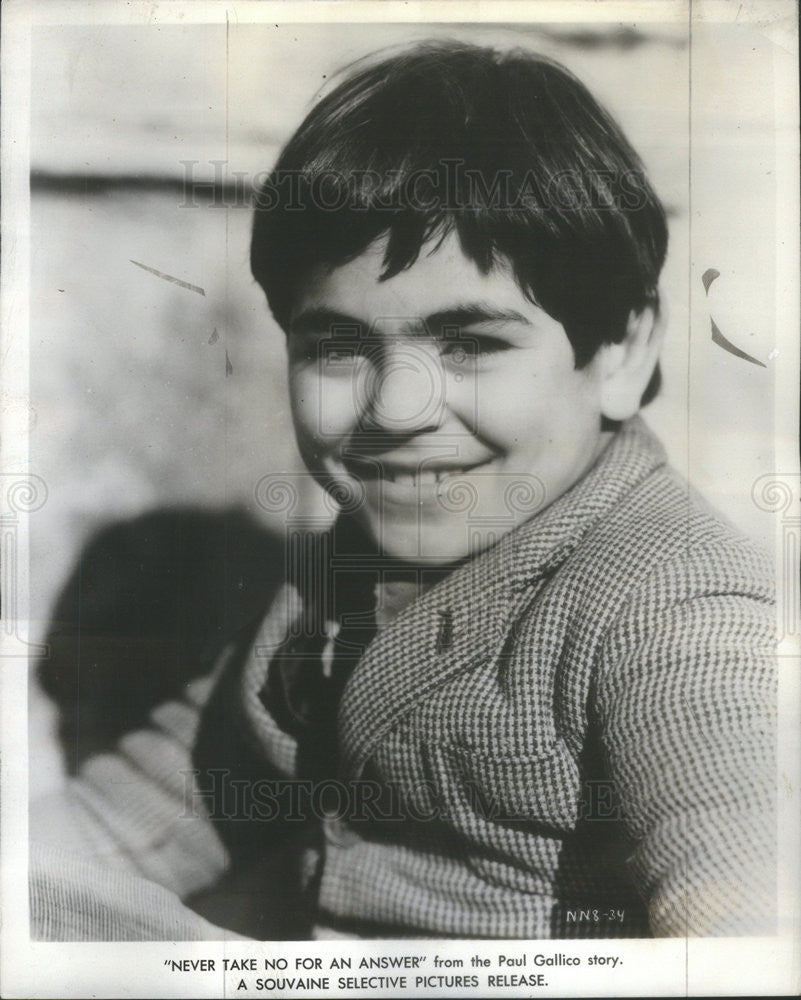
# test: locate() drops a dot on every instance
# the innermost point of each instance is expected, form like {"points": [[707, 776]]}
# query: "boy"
{"points": [[523, 687]]}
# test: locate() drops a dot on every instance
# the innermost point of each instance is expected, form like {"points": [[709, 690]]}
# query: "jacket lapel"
{"points": [[452, 628]]}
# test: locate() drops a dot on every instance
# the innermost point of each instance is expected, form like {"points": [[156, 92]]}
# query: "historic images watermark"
{"points": [[226, 797], [451, 187], [23, 494]]}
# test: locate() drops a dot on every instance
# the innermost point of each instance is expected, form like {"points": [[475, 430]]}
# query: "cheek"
{"points": [[323, 408], [520, 409], [508, 402]]}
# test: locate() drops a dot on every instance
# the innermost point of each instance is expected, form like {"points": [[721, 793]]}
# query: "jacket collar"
{"points": [[464, 620], [544, 542]]}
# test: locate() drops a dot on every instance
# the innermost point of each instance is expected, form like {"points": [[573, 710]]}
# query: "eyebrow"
{"points": [[318, 318], [473, 314]]}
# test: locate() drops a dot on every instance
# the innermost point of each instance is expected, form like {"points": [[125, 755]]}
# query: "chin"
{"points": [[424, 544]]}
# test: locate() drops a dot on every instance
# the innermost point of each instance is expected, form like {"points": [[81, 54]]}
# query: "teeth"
{"points": [[421, 477]]}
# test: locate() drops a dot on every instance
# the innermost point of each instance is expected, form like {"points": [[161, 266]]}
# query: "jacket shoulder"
{"points": [[665, 538], [660, 584]]}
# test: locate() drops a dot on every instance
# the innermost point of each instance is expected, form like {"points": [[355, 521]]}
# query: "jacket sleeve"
{"points": [[74, 898], [136, 810], [685, 696]]}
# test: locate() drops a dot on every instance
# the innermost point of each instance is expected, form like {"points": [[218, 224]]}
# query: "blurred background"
{"points": [[158, 403]]}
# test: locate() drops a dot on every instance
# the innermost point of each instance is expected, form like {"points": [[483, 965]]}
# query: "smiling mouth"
{"points": [[410, 476]]}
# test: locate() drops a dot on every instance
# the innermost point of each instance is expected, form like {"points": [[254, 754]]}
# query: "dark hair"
{"points": [[507, 148]]}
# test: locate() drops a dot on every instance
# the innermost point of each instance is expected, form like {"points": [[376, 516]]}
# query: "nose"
{"points": [[405, 390]]}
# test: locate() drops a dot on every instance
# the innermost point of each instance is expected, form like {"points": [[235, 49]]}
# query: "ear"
{"points": [[626, 368]]}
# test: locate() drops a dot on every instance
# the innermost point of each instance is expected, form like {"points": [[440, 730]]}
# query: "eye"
{"points": [[471, 348], [326, 344], [337, 354], [325, 353]]}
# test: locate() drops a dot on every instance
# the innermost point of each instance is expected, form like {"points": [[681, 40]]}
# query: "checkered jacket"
{"points": [[589, 752], [586, 749]]}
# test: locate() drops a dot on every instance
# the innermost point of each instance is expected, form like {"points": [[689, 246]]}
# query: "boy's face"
{"points": [[442, 399]]}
